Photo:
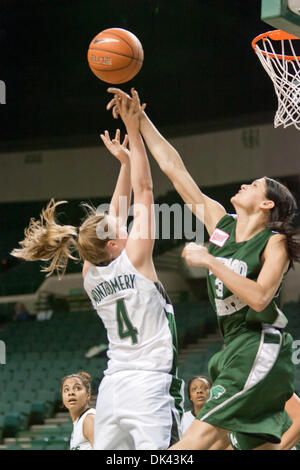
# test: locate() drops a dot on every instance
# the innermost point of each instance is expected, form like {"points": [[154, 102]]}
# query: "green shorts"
{"points": [[252, 378], [242, 441]]}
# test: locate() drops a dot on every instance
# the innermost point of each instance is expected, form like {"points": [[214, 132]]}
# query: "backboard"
{"points": [[282, 14]]}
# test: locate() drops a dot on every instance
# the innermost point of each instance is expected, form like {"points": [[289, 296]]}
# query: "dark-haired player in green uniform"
{"points": [[248, 255]]}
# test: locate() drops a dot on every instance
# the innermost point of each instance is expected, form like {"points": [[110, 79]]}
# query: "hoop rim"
{"points": [[275, 35]]}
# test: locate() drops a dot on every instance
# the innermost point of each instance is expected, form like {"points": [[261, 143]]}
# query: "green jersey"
{"points": [[244, 258], [252, 377]]}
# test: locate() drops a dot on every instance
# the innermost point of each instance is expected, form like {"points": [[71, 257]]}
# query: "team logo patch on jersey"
{"points": [[215, 392], [219, 237]]}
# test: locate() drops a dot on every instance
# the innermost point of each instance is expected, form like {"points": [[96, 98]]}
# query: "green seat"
{"points": [[54, 385], [6, 374], [14, 422], [13, 387], [49, 356], [36, 446], [27, 396], [4, 407], [50, 432], [20, 378], [33, 356], [15, 447], [9, 397], [2, 424], [25, 410], [40, 440], [35, 383], [57, 446], [66, 428], [43, 406], [59, 439]]}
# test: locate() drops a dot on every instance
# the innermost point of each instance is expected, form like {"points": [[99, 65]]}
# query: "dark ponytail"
{"points": [[282, 215]]}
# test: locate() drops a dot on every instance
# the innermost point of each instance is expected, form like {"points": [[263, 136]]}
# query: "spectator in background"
{"points": [[21, 314], [4, 265], [198, 390]]}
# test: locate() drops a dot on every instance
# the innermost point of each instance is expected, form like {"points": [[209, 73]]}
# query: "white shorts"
{"points": [[135, 411]]}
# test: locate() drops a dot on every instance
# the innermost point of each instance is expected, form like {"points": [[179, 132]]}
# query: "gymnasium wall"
{"points": [[214, 158]]}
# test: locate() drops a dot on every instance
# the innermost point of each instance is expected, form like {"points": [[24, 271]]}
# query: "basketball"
{"points": [[115, 55]]}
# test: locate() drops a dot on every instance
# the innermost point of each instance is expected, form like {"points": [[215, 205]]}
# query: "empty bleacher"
{"points": [[40, 353]]}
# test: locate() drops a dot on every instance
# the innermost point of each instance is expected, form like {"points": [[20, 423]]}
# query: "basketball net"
{"points": [[283, 67]]}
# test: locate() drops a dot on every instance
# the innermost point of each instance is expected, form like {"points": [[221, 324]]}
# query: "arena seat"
{"points": [[2, 422], [40, 354], [25, 410], [58, 446], [27, 395], [43, 405], [36, 446], [14, 447], [4, 407], [14, 422]]}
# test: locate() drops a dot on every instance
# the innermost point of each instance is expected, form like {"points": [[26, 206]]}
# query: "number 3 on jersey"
{"points": [[219, 287], [125, 326]]}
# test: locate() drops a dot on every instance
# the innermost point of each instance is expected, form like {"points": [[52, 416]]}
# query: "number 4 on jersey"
{"points": [[124, 324]]}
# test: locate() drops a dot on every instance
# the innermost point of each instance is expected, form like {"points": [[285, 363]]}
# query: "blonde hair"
{"points": [[48, 241], [90, 246]]}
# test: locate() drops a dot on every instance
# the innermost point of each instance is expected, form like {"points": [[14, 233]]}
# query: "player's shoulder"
{"points": [[90, 412], [88, 416], [226, 221], [277, 240], [276, 249]]}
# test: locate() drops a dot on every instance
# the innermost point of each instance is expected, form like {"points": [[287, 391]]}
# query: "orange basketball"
{"points": [[115, 55]]}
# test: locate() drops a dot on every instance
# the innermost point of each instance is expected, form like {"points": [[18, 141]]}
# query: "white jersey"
{"points": [[137, 315], [78, 441], [186, 421]]}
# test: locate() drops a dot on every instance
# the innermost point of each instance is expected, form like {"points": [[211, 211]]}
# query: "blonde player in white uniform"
{"points": [[136, 406], [140, 399], [76, 395]]}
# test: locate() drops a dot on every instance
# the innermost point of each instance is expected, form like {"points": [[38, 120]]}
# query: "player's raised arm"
{"points": [[141, 239], [172, 165], [123, 188]]}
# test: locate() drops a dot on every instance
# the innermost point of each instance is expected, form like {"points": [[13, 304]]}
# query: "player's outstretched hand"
{"points": [[118, 150], [129, 109], [196, 255], [121, 95]]}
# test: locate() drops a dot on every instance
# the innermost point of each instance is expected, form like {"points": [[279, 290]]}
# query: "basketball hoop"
{"points": [[276, 51]]}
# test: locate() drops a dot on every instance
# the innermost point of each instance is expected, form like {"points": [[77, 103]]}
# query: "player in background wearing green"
{"points": [[248, 255]]}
